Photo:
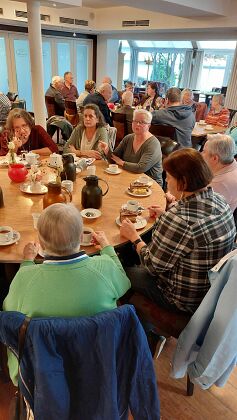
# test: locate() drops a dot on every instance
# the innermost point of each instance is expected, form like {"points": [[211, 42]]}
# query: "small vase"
{"points": [[17, 172]]}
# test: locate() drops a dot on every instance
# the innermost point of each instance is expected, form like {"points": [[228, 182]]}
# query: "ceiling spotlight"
{"points": [[54, 5], [74, 34]]}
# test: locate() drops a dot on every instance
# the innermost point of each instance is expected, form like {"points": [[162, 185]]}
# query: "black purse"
{"points": [[17, 408]]}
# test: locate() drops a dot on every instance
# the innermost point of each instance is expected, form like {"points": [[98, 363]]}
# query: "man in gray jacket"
{"points": [[176, 115]]}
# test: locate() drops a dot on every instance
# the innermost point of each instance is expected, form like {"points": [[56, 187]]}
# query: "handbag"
{"points": [[17, 408]]}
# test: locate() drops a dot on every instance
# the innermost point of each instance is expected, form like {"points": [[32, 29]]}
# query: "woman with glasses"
{"points": [[27, 136], [139, 152], [85, 138]]}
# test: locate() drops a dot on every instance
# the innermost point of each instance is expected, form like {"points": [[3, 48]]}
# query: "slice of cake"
{"points": [[139, 188], [128, 214]]}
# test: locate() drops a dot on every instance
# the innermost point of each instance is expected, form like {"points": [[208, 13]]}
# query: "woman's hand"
{"points": [[30, 251], [93, 154], [128, 230], [104, 146], [99, 239], [117, 160], [72, 149], [155, 211]]}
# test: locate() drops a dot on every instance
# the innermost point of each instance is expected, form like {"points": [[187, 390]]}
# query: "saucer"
{"points": [[86, 243], [26, 188], [140, 223], [112, 172], [94, 213], [16, 237], [209, 128], [202, 124]]}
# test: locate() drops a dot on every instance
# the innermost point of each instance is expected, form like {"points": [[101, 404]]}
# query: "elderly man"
{"points": [[176, 115], [54, 91], [69, 90], [126, 108], [5, 107], [129, 86], [115, 95], [100, 98], [218, 152]]}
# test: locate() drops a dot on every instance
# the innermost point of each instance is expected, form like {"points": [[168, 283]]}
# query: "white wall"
{"points": [[107, 59]]}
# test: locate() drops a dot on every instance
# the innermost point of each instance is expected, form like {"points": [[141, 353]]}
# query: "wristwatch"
{"points": [[137, 241]]}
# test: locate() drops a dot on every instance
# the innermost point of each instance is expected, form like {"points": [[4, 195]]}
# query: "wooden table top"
{"points": [[19, 207], [200, 130]]}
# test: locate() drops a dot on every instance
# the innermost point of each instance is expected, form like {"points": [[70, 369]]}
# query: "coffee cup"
{"points": [[202, 122], [144, 179], [31, 158], [86, 236], [6, 234], [91, 170], [68, 185], [113, 167], [132, 205], [55, 160]]}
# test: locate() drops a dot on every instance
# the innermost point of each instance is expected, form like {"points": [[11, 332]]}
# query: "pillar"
{"points": [[36, 61]]}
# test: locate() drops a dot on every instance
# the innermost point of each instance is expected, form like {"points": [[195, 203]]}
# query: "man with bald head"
{"points": [[55, 91], [115, 95], [126, 108], [101, 98]]}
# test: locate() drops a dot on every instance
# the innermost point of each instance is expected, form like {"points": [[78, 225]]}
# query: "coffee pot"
{"points": [[69, 168], [91, 194], [56, 194]]}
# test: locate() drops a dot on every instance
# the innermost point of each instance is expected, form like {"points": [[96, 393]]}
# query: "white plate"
{"points": [[202, 124], [140, 223], [149, 183], [3, 163], [96, 213], [16, 237], [139, 195], [209, 128], [86, 243], [25, 188], [113, 173]]}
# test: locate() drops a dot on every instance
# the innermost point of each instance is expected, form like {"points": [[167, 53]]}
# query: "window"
{"points": [[22, 62], [63, 54], [81, 66], [3, 73], [47, 64]]}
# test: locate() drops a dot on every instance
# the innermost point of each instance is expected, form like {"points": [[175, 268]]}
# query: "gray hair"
{"points": [[187, 91], [221, 145], [56, 79], [127, 98], [148, 115], [60, 227], [103, 87]]}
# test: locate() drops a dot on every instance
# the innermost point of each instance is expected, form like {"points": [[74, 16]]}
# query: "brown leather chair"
{"points": [[167, 323], [119, 122], [50, 105], [71, 113], [201, 111]]}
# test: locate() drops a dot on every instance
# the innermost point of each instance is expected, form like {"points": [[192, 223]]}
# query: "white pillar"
{"points": [[36, 61], [107, 59], [120, 70]]}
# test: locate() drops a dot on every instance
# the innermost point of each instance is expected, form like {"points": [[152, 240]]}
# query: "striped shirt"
{"points": [[219, 118], [186, 242]]}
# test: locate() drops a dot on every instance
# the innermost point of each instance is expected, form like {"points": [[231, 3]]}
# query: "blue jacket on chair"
{"points": [[87, 368]]}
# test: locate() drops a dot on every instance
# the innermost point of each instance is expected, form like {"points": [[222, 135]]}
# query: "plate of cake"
{"points": [[134, 216], [138, 189]]}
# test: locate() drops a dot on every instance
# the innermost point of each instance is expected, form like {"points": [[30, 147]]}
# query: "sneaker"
{"points": [[159, 347], [156, 343]]}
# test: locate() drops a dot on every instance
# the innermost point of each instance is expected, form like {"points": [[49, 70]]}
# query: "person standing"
{"points": [[69, 90]]}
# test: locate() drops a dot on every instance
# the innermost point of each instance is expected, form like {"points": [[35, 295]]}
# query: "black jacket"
{"points": [[98, 99]]}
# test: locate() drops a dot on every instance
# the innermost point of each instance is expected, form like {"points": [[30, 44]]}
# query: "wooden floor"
{"points": [[214, 404]]}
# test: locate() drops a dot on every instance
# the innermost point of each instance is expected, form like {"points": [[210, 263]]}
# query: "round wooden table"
{"points": [[19, 207]]}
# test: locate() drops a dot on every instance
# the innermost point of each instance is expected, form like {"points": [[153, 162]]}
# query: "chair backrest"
{"points": [[201, 111], [120, 123], [112, 131], [50, 105], [87, 367], [71, 113], [162, 130]]}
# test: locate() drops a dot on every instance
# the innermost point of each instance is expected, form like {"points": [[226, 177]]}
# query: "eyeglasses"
{"points": [[24, 127], [140, 122]]}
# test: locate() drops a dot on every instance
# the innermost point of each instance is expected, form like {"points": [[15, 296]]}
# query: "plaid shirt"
{"points": [[5, 107], [186, 242]]}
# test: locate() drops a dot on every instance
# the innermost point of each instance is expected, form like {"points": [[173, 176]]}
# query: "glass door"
{"points": [[23, 75]]}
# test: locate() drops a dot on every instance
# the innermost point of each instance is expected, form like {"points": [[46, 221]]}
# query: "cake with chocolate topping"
{"points": [[139, 188], [129, 214]]}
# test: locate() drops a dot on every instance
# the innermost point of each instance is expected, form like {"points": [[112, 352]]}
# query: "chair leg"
{"points": [[190, 387]]}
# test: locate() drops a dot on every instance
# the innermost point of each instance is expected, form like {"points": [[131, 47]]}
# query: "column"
{"points": [[120, 70], [107, 59], [36, 61], [231, 97]]}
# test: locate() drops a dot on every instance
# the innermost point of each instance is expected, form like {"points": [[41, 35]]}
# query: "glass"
{"points": [[140, 122], [63, 54], [47, 64], [3, 73], [22, 60], [81, 66]]}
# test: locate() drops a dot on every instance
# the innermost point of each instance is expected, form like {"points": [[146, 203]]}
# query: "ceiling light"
{"points": [[74, 34], [54, 5]]}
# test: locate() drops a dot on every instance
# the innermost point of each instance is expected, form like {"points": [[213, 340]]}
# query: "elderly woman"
{"points": [[85, 138], [154, 101], [89, 88], [187, 99], [26, 135], [139, 152], [63, 285], [218, 115], [187, 240]]}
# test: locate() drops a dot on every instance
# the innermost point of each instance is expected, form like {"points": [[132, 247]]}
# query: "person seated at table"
{"points": [[115, 95], [129, 86], [101, 98], [26, 135], [187, 240], [232, 131], [139, 152], [69, 283], [55, 91], [187, 99], [219, 153], [154, 101], [126, 108], [218, 114], [89, 88], [85, 138]]}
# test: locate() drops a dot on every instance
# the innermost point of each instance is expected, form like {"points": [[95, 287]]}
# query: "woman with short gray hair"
{"points": [[69, 283], [139, 152]]}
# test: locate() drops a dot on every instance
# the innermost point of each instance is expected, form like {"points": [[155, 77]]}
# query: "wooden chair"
{"points": [[163, 131], [167, 323], [201, 111], [50, 105], [120, 122], [71, 113]]}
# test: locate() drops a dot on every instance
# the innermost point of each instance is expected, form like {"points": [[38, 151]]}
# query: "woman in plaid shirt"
{"points": [[187, 239]]}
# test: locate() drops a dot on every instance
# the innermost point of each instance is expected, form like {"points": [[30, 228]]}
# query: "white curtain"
{"points": [[186, 69], [196, 71], [133, 65], [231, 96]]}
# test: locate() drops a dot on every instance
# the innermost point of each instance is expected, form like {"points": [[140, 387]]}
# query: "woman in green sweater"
{"points": [[68, 283]]}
